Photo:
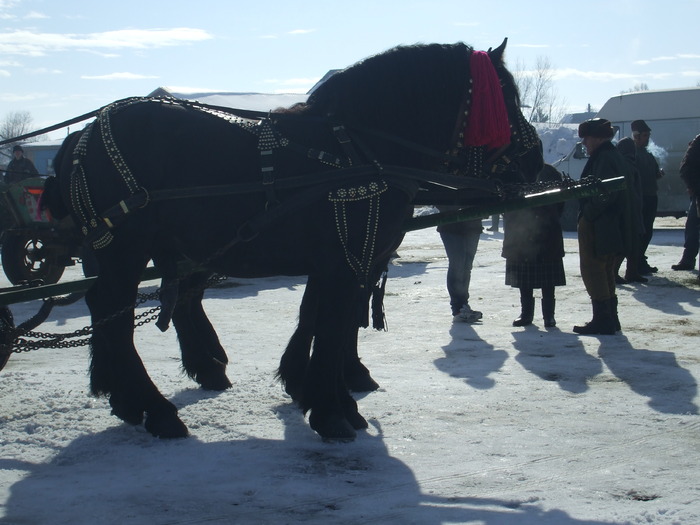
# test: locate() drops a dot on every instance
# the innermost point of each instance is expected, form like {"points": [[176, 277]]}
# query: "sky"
{"points": [[61, 59]]}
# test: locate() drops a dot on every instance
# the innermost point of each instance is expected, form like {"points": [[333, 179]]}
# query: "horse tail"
{"points": [[51, 199]]}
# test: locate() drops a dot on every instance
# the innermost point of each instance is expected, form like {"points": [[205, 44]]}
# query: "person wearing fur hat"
{"points": [[20, 167], [649, 173], [603, 226]]}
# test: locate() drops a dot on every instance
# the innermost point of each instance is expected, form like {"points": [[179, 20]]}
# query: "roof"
{"points": [[653, 105], [252, 101]]}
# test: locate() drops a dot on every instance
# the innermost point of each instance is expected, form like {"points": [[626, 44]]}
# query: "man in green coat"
{"points": [[603, 226]]}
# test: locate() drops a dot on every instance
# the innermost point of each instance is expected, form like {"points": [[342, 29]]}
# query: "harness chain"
{"points": [[340, 198], [59, 340]]}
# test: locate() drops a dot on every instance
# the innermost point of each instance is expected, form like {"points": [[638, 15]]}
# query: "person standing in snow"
{"points": [[603, 225], [461, 240], [690, 173], [627, 148], [649, 173], [19, 167], [533, 247]]}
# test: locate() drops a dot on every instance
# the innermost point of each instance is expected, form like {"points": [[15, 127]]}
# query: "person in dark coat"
{"points": [[604, 226], [627, 148], [690, 173], [533, 247], [20, 167], [649, 173]]}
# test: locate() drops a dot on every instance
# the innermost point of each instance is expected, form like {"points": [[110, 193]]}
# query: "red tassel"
{"points": [[487, 124]]}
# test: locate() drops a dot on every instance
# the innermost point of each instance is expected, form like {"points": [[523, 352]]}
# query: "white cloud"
{"points": [[301, 31], [35, 15], [4, 73], [21, 97], [118, 76], [679, 56], [45, 71], [602, 76], [23, 42]]}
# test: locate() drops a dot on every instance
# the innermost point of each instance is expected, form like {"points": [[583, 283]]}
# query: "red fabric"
{"points": [[487, 122]]}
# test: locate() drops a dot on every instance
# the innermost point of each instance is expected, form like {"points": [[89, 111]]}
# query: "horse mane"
{"points": [[404, 86]]}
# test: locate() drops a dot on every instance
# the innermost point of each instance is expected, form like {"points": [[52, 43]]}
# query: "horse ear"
{"points": [[497, 54]]}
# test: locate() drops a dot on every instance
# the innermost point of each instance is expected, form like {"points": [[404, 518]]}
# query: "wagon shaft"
{"points": [[577, 191]]}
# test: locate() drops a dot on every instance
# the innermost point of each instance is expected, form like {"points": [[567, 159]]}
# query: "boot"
{"points": [[602, 323], [684, 264], [613, 311], [548, 303], [527, 308]]}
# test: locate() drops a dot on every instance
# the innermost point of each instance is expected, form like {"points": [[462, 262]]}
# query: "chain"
{"points": [[26, 340]]}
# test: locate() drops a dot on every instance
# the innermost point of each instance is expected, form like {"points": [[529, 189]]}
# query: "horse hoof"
{"points": [[217, 382], [125, 412], [166, 426], [333, 429], [361, 383], [357, 421], [294, 392]]}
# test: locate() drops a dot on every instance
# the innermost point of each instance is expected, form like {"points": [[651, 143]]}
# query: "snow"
{"points": [[479, 424], [557, 141]]}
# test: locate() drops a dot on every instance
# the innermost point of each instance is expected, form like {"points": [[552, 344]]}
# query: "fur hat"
{"points": [[640, 126], [17, 147], [596, 127]]}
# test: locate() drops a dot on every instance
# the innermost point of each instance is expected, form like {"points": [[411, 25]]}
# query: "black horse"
{"points": [[320, 189]]}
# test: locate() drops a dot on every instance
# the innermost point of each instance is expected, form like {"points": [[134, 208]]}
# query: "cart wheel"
{"points": [[25, 258]]}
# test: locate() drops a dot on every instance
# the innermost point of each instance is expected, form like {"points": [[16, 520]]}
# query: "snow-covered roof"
{"points": [[653, 105], [252, 101]]}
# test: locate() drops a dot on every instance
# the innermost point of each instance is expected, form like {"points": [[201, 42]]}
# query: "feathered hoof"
{"points": [[361, 383], [358, 378], [165, 425], [357, 421], [217, 382], [294, 391], [333, 428], [125, 411]]}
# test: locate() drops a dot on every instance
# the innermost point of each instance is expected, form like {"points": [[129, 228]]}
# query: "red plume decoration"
{"points": [[487, 124]]}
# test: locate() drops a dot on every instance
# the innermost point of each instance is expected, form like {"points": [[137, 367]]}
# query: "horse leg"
{"points": [[203, 357], [296, 356], [116, 369], [295, 359], [333, 412]]}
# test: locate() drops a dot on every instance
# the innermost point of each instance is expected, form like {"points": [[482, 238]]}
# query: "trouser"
{"points": [[649, 205], [597, 272], [691, 246], [460, 250]]}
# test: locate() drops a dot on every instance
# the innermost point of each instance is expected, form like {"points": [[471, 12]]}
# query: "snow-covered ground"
{"points": [[480, 424]]}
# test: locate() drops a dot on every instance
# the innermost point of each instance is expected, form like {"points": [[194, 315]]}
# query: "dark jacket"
{"points": [[609, 213], [690, 167], [649, 172], [20, 169], [534, 235]]}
